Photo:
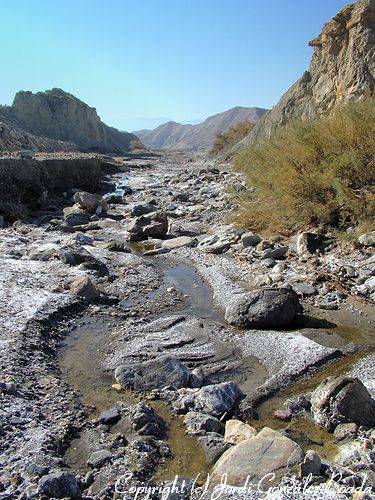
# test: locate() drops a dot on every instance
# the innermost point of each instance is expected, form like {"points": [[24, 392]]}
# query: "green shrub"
{"points": [[224, 141], [319, 172]]}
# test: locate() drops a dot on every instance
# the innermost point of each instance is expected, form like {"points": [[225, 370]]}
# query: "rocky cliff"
{"points": [[172, 135], [58, 115], [342, 68]]}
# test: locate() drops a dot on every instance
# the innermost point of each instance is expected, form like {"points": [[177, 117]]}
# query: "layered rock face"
{"points": [[342, 68], [13, 139], [57, 115]]}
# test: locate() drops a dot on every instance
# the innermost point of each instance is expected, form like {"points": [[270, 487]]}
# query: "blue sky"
{"points": [[179, 59]]}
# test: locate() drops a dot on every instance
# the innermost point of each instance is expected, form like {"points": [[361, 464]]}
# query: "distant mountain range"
{"points": [[44, 119], [201, 136]]}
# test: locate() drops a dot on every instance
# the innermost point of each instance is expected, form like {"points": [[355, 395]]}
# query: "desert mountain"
{"points": [[60, 116], [342, 68], [172, 135]]}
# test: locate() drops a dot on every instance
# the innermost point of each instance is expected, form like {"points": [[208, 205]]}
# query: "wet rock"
{"points": [[60, 484], [153, 374], [99, 458], [89, 202], [2, 222], [340, 400], [110, 417], [267, 453], [311, 465], [146, 421], [95, 266], [154, 225], [75, 216], [216, 400], [198, 423], [284, 415], [309, 243], [367, 240], [345, 431], [181, 241], [237, 431], [264, 308], [250, 240], [84, 288]]}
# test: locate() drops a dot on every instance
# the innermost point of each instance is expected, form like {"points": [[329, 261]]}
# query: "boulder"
{"points": [[146, 421], [308, 243], [76, 216], [269, 307], [99, 458], [181, 241], [267, 453], [215, 400], [44, 252], [200, 423], [142, 209], [311, 465], [154, 225], [61, 484], [275, 253], [153, 374], [340, 400], [237, 431], [250, 240], [367, 240], [84, 288], [93, 203]]}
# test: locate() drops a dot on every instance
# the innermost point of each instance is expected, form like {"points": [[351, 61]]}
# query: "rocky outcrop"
{"points": [[14, 139], [58, 115], [342, 68], [27, 182], [172, 135]]}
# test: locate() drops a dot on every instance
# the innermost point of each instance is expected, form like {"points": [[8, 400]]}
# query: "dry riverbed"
{"points": [[144, 280]]}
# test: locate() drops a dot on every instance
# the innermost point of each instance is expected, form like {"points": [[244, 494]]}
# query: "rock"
{"points": [[117, 246], [26, 153], [308, 243], [345, 431], [153, 374], [1, 221], [216, 400], [215, 244], [181, 241], [154, 225], [275, 253], [304, 289], [367, 240], [60, 484], [197, 378], [93, 203], [99, 458], [268, 263], [8, 388], [269, 307], [78, 239], [199, 423], [268, 452], [59, 115], [311, 465], [213, 446], [340, 400], [263, 245], [284, 415], [44, 252], [110, 417], [146, 421], [142, 209], [75, 216], [250, 240], [84, 288], [237, 431]]}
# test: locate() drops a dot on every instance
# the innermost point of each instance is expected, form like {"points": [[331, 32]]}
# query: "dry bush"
{"points": [[224, 141], [319, 172]]}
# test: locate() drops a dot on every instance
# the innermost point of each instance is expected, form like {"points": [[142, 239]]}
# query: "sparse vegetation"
{"points": [[320, 172], [225, 141]]}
